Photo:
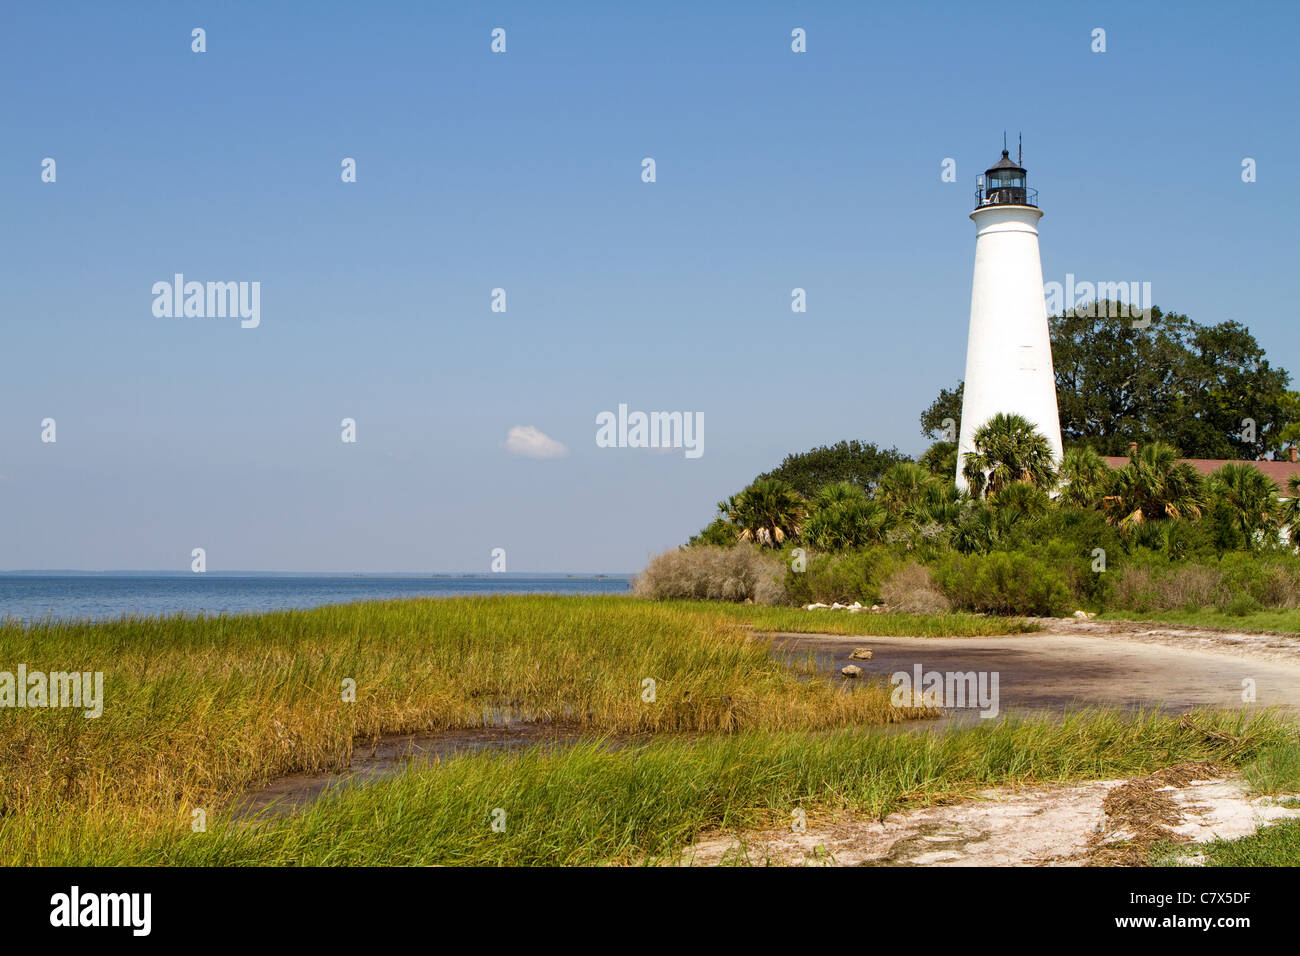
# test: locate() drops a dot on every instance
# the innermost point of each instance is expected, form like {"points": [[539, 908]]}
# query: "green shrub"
{"points": [[1004, 583], [719, 532], [1243, 582], [1240, 605], [1221, 522], [1185, 540], [1269, 581], [1074, 559], [844, 578]]}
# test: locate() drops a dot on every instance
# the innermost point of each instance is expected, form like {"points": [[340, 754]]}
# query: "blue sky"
{"points": [[522, 171]]}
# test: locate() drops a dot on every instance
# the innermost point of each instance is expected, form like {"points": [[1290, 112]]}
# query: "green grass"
{"points": [[1275, 770], [197, 710], [1274, 845], [588, 804], [1280, 621], [799, 621]]}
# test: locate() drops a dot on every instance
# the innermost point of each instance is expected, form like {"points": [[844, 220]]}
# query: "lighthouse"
{"points": [[1009, 351]]}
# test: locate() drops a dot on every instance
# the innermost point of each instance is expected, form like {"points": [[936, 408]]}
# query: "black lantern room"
{"points": [[1004, 184]]}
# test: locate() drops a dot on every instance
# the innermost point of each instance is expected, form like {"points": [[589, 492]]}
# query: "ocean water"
{"points": [[29, 597]]}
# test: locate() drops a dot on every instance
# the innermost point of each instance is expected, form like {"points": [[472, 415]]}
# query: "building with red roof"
{"points": [[1279, 471]]}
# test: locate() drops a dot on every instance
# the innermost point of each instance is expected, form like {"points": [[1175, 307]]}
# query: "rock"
{"points": [[1081, 615], [851, 670], [814, 607], [860, 654], [837, 606], [877, 608]]}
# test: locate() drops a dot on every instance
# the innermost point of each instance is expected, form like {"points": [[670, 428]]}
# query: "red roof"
{"points": [[1279, 471]]}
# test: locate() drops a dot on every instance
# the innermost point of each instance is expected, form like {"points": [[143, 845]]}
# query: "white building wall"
{"points": [[1008, 353]]}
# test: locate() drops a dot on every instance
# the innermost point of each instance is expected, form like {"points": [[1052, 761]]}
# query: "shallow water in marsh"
{"points": [[1040, 675], [389, 756]]}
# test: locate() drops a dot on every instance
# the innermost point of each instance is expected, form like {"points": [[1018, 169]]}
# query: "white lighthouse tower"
{"points": [[1009, 352]]}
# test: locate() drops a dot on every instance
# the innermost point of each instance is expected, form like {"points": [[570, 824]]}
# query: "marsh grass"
{"points": [[198, 710], [1275, 770], [588, 804]]}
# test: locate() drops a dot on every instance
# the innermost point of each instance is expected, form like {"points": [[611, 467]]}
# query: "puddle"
{"points": [[388, 756], [391, 755]]}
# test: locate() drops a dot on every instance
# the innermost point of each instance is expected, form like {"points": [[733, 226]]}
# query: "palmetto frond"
{"points": [[1009, 449], [1154, 485]]}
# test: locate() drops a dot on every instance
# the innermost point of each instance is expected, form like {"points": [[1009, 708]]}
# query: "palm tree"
{"points": [[843, 517], [837, 494], [1251, 497], [903, 486], [1008, 449], [769, 511], [1019, 500], [1085, 477], [1154, 485], [976, 529], [940, 503]]}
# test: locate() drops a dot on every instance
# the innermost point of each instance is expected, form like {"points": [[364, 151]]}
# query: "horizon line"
{"points": [[381, 574]]}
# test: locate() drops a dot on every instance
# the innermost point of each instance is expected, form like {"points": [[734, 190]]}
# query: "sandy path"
{"points": [[1091, 662], [1039, 826]]}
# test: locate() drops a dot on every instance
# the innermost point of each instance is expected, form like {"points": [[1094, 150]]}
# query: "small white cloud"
{"points": [[527, 442]]}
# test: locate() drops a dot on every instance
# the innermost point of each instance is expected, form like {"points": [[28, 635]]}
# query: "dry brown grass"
{"points": [[709, 573], [912, 589], [1196, 586], [1141, 814]]}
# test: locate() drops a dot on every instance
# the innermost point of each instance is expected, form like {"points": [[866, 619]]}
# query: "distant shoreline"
{"points": [[531, 575], [54, 594]]}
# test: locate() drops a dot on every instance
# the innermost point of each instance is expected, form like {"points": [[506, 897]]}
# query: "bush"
{"points": [[1186, 540], [1066, 539], [912, 589], [848, 577], [1004, 583], [712, 574], [719, 532], [1240, 582], [1271, 583], [1081, 529], [1190, 586], [1240, 606]]}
